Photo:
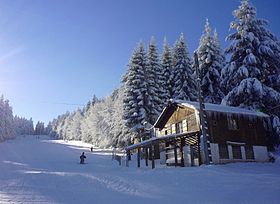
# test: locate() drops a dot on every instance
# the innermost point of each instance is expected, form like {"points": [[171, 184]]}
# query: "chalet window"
{"points": [[187, 125], [166, 132], [236, 152], [249, 152], [223, 151], [171, 129], [232, 123], [179, 127]]}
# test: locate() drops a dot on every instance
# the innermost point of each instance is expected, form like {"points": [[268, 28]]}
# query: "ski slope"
{"points": [[48, 171]]}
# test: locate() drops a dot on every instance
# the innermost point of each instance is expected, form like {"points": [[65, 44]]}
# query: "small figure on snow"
{"points": [[82, 158], [91, 149]]}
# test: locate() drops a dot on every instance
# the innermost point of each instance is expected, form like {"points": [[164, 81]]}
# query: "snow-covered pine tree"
{"points": [[103, 125], [90, 103], [19, 125], [255, 51], [40, 128], [7, 126], [62, 122], [210, 64], [30, 127], [167, 71], [135, 92], [48, 128], [99, 123], [86, 108], [153, 72], [251, 62], [219, 53], [87, 124], [23, 126], [184, 83], [121, 135], [74, 126]]}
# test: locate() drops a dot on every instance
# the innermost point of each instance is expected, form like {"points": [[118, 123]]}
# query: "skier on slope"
{"points": [[82, 158]]}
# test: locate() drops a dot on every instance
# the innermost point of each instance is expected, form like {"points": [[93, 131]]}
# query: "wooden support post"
{"points": [[146, 156], [202, 114], [192, 155], [182, 144], [127, 158], [128, 155], [138, 157], [175, 153], [199, 149], [153, 156]]}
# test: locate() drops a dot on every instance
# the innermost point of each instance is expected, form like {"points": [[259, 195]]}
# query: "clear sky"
{"points": [[55, 54]]}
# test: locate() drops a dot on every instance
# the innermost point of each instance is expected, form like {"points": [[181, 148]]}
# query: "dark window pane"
{"points": [[232, 123], [236, 152], [179, 127], [223, 151], [249, 152]]}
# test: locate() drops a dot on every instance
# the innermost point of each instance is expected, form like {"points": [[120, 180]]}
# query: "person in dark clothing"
{"points": [[91, 149], [82, 158]]}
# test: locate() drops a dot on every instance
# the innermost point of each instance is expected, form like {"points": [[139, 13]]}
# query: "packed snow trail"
{"points": [[48, 171]]}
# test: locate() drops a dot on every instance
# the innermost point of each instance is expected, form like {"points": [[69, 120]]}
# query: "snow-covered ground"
{"points": [[48, 171]]}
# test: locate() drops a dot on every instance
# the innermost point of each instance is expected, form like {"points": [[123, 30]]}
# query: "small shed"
{"points": [[234, 135]]}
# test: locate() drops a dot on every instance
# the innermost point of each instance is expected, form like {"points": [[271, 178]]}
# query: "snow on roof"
{"points": [[220, 108]]}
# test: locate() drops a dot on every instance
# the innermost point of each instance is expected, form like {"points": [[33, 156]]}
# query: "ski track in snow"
{"points": [[47, 171], [111, 183], [18, 192], [31, 173]]}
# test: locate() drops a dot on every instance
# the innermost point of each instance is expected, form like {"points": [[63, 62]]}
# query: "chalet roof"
{"points": [[172, 106], [220, 108]]}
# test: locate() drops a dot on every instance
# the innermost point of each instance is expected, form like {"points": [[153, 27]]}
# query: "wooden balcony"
{"points": [[173, 146]]}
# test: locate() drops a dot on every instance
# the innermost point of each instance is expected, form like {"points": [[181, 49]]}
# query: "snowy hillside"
{"points": [[47, 171]]}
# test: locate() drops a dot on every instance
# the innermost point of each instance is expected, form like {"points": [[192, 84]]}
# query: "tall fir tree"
{"points": [[255, 51], [74, 131], [167, 71], [210, 64], [40, 128], [23, 126], [219, 53], [254, 59], [184, 83], [7, 126], [135, 92], [154, 78], [121, 137]]}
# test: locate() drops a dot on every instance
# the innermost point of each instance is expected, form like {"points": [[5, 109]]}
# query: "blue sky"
{"points": [[55, 54]]}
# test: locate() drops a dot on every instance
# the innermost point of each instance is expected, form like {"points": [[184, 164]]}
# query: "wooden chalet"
{"points": [[233, 135]]}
